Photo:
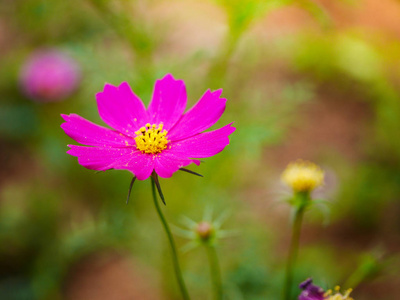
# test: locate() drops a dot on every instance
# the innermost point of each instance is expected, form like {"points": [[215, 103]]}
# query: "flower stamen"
{"points": [[151, 139], [338, 296]]}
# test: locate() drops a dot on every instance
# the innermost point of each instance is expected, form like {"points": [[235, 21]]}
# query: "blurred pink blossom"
{"points": [[49, 75]]}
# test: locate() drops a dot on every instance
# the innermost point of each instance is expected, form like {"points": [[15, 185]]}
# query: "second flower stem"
{"points": [[177, 269], [293, 250], [215, 272]]}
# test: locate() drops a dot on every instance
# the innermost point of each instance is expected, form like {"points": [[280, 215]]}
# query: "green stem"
{"points": [[219, 66], [135, 36], [177, 269], [294, 247], [215, 272]]}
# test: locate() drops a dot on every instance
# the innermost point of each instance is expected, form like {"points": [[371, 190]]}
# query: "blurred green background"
{"points": [[317, 80]]}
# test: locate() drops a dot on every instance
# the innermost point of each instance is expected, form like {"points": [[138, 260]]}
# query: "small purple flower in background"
{"points": [[49, 75], [311, 291], [160, 139], [314, 292]]}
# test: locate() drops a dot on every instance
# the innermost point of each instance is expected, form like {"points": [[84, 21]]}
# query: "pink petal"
{"points": [[205, 113], [167, 163], [169, 101], [121, 109], [204, 144], [88, 133], [101, 159]]}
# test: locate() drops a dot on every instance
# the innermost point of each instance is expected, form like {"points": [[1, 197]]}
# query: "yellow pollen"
{"points": [[338, 296], [303, 176], [151, 139]]}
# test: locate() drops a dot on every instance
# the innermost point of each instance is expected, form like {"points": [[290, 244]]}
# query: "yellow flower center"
{"points": [[303, 176], [151, 139]]}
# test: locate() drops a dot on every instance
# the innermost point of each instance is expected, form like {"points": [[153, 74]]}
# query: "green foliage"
{"points": [[53, 212]]}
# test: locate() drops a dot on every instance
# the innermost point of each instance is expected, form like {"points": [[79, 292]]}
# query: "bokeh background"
{"points": [[311, 79]]}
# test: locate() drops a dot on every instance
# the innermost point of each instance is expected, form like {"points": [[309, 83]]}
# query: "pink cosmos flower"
{"points": [[161, 138], [49, 75]]}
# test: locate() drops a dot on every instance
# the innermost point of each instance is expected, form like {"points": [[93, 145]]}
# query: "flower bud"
{"points": [[204, 231], [303, 176]]}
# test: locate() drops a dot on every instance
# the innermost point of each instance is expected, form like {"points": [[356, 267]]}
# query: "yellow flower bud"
{"points": [[303, 176]]}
